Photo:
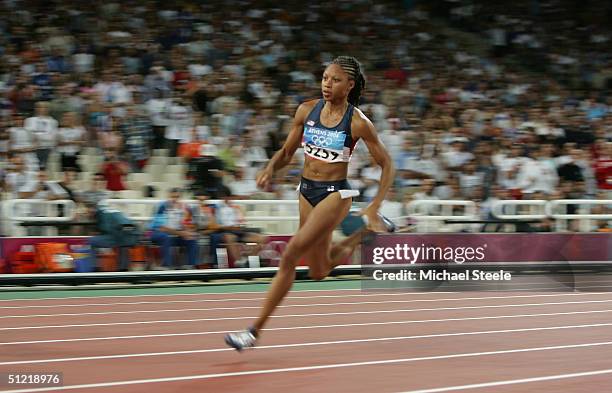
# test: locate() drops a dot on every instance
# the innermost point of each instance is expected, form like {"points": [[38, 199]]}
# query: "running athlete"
{"points": [[328, 130]]}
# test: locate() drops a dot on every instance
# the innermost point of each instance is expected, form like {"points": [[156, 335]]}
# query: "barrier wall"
{"points": [[271, 251], [494, 248]]}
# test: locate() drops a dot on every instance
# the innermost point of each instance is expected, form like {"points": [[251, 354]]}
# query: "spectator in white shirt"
{"points": [[508, 165], [44, 130], [393, 139], [83, 61], [158, 109], [458, 155], [180, 125], [23, 143], [426, 191], [231, 228], [71, 137], [241, 186], [469, 180], [19, 179]]}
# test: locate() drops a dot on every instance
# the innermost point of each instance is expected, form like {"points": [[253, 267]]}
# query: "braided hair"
{"points": [[351, 66]]}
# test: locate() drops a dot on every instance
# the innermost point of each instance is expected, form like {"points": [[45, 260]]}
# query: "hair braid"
{"points": [[351, 66]]}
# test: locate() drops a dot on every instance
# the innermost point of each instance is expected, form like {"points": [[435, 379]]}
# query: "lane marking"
{"points": [[291, 298], [306, 344], [513, 381], [288, 306], [222, 300], [168, 295], [303, 315], [307, 327], [310, 368]]}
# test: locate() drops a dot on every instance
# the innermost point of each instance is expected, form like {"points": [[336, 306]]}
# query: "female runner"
{"points": [[328, 129]]}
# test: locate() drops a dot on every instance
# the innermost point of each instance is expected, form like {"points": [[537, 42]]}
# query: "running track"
{"points": [[323, 340]]}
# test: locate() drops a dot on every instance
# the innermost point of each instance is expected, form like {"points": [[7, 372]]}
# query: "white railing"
{"points": [[282, 216], [583, 212], [272, 216], [125, 205], [527, 209], [16, 211], [430, 214]]}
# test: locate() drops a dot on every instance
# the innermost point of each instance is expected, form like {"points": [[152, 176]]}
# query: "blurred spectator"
{"points": [[19, 180], [570, 170], [208, 170], [537, 173], [137, 133], [97, 191], [173, 225], [44, 129], [469, 180], [114, 170], [111, 140], [426, 191], [67, 184], [70, 139], [205, 224], [64, 102], [115, 230], [231, 229], [240, 186], [180, 125], [603, 168], [22, 143]]}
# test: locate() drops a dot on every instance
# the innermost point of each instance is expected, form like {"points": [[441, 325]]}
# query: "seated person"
{"points": [[205, 224], [115, 230], [231, 230], [172, 225]]}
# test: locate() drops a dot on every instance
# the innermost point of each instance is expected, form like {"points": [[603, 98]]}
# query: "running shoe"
{"points": [[241, 340], [388, 224]]}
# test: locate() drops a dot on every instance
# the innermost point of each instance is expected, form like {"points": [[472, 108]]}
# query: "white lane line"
{"points": [[306, 344], [215, 300], [513, 381], [308, 327], [292, 305], [167, 295], [288, 298], [310, 368], [304, 315], [372, 290]]}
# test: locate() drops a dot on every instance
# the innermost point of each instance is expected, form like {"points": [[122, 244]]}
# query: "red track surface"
{"points": [[382, 343]]}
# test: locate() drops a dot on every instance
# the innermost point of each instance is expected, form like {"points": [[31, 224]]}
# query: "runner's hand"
{"points": [[374, 223], [263, 178]]}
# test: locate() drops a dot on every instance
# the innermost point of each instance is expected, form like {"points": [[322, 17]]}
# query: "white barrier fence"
{"points": [[430, 214], [282, 216], [274, 216], [519, 210], [16, 211]]}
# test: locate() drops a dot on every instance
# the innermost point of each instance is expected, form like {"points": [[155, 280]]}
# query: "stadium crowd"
{"points": [[215, 84]]}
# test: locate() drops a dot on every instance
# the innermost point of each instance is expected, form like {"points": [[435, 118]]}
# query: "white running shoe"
{"points": [[241, 340]]}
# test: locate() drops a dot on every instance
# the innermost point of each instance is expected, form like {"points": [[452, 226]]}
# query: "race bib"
{"points": [[325, 145]]}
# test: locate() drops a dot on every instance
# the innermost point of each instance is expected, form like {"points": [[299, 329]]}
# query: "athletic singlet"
{"points": [[328, 144]]}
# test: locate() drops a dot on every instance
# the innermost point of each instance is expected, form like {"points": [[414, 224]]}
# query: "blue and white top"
{"points": [[331, 145]]}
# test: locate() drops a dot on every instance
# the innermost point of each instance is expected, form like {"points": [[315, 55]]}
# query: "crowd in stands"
{"points": [[215, 84]]}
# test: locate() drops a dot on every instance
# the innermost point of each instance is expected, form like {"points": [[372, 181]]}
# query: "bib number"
{"points": [[321, 153]]}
